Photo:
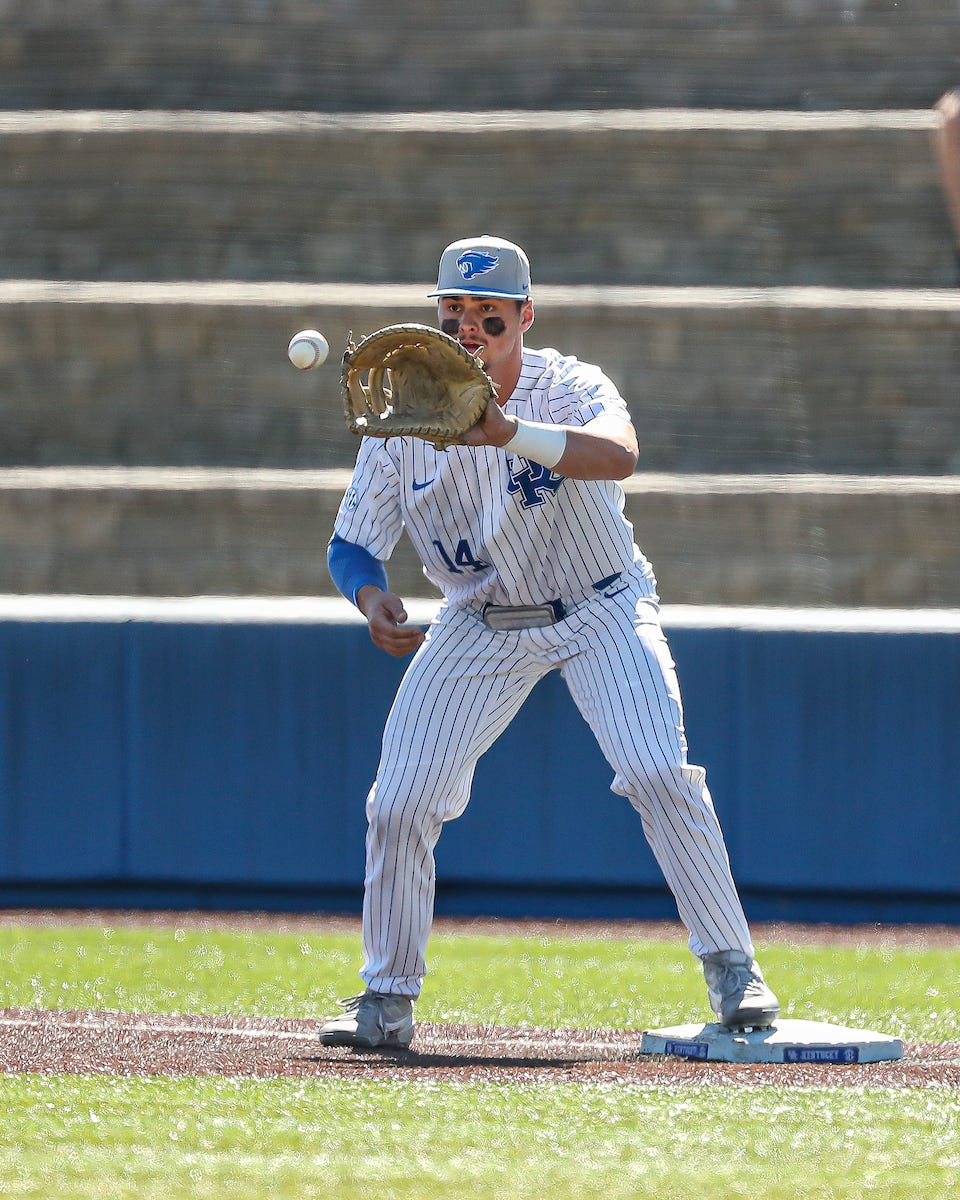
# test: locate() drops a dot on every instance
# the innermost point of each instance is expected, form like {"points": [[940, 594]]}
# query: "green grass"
{"points": [[145, 1138], [533, 980], [79, 1137]]}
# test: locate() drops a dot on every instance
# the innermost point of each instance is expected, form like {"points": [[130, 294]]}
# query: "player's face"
{"points": [[487, 324]]}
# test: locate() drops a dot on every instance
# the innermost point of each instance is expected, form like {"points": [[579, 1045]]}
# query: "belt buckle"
{"points": [[508, 617]]}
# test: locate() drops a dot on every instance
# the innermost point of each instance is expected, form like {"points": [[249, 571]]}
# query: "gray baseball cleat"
{"points": [[738, 994], [370, 1021]]}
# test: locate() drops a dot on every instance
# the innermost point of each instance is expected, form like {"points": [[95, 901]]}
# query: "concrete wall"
{"points": [[821, 540], [373, 54], [721, 380], [803, 381], [681, 198]]}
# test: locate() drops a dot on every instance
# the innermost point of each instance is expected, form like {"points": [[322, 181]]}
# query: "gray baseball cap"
{"points": [[484, 266]]}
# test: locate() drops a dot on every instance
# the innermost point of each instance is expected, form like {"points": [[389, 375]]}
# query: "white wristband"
{"points": [[540, 443]]}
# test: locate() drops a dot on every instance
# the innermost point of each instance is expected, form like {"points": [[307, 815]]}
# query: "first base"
{"points": [[784, 1042]]}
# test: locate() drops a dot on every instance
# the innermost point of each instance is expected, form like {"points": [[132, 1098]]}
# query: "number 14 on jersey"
{"points": [[463, 557]]}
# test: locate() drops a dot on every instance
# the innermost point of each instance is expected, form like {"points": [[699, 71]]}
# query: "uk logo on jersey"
{"points": [[535, 481], [475, 262]]}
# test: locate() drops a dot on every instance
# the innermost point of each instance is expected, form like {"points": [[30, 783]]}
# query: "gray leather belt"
{"points": [[535, 616], [522, 616]]}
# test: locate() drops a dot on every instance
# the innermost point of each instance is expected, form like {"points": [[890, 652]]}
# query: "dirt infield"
{"points": [[113, 1043], [68, 1042]]}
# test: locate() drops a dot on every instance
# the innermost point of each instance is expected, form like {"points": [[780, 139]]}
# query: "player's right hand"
{"points": [[386, 617]]}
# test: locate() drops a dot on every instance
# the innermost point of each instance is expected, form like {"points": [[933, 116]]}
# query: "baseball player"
{"points": [[522, 530]]}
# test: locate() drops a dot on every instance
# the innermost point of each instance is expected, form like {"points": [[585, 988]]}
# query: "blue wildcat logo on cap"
{"points": [[484, 266], [476, 262]]}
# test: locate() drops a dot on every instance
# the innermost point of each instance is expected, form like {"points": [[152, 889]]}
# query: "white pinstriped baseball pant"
{"points": [[461, 691]]}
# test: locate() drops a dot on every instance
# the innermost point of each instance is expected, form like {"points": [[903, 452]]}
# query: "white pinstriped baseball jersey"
{"points": [[490, 526]]}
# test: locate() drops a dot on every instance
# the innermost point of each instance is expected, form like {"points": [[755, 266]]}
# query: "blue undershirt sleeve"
{"points": [[351, 567]]}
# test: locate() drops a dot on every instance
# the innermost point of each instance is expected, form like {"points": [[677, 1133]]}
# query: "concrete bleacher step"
{"points": [[613, 197], [714, 539], [718, 380], [381, 55]]}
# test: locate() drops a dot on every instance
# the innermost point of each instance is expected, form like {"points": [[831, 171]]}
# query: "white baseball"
{"points": [[308, 349]]}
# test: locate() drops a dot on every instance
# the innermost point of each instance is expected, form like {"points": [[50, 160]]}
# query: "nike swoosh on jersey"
{"points": [[418, 487]]}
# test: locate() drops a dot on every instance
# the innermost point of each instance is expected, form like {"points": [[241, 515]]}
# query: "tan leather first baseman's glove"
{"points": [[413, 380]]}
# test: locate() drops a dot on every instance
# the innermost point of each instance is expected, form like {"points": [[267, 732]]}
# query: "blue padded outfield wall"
{"points": [[217, 754]]}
